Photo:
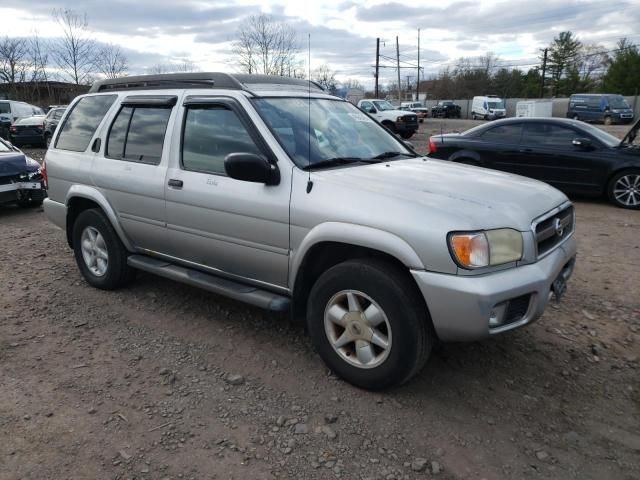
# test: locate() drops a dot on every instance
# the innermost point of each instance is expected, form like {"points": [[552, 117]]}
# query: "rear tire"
{"points": [[350, 336], [624, 189], [608, 120], [99, 253]]}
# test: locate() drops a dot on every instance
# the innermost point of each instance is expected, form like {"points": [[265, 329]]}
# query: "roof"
{"points": [[214, 80]]}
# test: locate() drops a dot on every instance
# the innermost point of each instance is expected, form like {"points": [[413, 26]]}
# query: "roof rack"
{"points": [[201, 80]]}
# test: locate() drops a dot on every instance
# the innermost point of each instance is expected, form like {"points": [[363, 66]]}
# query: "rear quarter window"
{"points": [[82, 122]]}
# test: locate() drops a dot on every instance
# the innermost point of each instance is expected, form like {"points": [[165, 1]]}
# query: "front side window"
{"points": [[338, 130], [545, 134], [503, 134], [618, 101], [211, 133], [137, 134], [499, 104], [82, 122]]}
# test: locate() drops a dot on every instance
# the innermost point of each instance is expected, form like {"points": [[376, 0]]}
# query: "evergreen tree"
{"points": [[623, 75]]}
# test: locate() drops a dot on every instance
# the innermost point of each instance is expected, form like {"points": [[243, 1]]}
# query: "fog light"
{"points": [[496, 317]]}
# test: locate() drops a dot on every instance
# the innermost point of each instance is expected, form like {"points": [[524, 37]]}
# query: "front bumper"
{"points": [[11, 192], [402, 127], [460, 306]]}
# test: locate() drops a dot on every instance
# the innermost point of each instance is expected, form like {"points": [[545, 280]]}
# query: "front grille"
{"points": [[410, 119], [553, 230], [517, 309]]}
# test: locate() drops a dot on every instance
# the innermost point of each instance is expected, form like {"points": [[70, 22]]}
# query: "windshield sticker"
{"points": [[360, 117]]}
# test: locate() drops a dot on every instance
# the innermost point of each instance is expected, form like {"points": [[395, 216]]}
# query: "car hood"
{"points": [[15, 163], [476, 198], [631, 134]]}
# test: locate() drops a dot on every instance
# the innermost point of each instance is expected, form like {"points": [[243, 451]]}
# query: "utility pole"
{"points": [[418, 81], [544, 72], [398, 60], [377, 63]]}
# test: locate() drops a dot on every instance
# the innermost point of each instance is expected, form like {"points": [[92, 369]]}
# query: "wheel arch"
{"points": [[466, 154], [80, 198], [332, 243]]}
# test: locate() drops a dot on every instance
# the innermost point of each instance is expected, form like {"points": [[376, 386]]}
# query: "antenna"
{"points": [[441, 137], [309, 182]]}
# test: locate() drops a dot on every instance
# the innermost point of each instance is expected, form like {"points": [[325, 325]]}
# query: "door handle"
{"points": [[175, 183]]}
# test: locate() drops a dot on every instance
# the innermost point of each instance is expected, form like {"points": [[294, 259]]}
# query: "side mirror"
{"points": [[250, 167], [583, 143]]}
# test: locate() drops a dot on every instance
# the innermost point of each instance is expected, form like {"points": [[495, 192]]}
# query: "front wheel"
{"points": [[406, 135], [369, 324], [608, 120], [624, 189], [99, 253]]}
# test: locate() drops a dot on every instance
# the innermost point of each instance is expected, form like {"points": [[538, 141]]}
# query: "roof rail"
{"points": [[199, 80]]}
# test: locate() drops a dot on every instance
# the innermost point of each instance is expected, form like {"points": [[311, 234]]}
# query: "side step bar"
{"points": [[222, 286]]}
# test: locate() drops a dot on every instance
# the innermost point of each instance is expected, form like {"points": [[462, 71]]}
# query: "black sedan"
{"points": [[570, 155]]}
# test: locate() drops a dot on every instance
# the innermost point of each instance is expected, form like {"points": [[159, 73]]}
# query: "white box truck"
{"points": [[488, 107], [534, 108]]}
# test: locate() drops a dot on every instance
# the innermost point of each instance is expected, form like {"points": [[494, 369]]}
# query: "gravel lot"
{"points": [[162, 380]]}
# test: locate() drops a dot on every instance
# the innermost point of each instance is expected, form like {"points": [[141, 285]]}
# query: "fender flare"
{"points": [[356, 235], [93, 194]]}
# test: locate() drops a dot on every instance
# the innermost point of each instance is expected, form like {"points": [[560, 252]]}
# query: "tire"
{"points": [[624, 189], [47, 140], [407, 135], [575, 117], [391, 126], [404, 322], [109, 274], [473, 116], [608, 120]]}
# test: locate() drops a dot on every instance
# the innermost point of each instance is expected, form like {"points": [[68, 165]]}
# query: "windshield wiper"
{"points": [[386, 155], [332, 162]]}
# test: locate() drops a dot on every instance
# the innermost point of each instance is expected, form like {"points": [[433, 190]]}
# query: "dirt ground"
{"points": [[164, 381]]}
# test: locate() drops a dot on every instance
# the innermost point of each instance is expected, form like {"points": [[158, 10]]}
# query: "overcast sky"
{"points": [[343, 33]]}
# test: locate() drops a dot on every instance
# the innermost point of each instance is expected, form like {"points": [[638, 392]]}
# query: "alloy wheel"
{"points": [[94, 251], [627, 190], [358, 329]]}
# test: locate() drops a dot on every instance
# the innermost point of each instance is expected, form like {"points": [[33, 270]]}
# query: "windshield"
{"points": [[499, 104], [604, 137], [338, 130], [5, 107], [384, 105], [618, 102]]}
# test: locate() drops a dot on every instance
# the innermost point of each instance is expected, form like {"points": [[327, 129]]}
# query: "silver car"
{"points": [[272, 192]]}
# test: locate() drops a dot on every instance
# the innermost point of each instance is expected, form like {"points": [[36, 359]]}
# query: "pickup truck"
{"points": [[446, 109], [398, 121]]}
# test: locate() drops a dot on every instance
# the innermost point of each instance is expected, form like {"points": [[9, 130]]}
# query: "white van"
{"points": [[11, 111], [488, 107]]}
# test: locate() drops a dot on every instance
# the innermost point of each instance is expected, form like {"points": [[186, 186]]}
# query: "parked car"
{"points": [[573, 156], [446, 109], [51, 122], [605, 108], [421, 112], [272, 192], [20, 177], [488, 107], [403, 123], [11, 111], [410, 105], [28, 131]]}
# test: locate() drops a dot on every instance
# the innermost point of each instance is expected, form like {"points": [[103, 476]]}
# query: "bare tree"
{"points": [[325, 77], [75, 53], [111, 61], [184, 67], [267, 46], [39, 59], [593, 60], [352, 83], [14, 60]]}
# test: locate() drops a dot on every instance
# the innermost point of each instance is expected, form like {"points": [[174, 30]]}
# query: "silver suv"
{"points": [[272, 192]]}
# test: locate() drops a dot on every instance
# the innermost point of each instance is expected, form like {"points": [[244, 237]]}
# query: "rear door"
{"points": [[235, 228], [131, 167], [498, 147]]}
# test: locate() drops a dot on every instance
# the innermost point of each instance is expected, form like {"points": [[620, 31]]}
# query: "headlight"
{"points": [[615, 110], [34, 174], [482, 249], [399, 119]]}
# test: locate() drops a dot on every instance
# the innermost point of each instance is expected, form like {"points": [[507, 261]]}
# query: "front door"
{"points": [[234, 228]]}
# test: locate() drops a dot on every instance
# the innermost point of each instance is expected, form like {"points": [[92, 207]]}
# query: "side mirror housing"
{"points": [[250, 167], [583, 143]]}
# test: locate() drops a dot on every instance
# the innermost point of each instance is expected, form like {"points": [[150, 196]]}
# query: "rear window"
{"points": [[82, 122], [137, 134]]}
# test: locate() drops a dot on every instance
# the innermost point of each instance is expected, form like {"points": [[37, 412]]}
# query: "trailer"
{"points": [[534, 108]]}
